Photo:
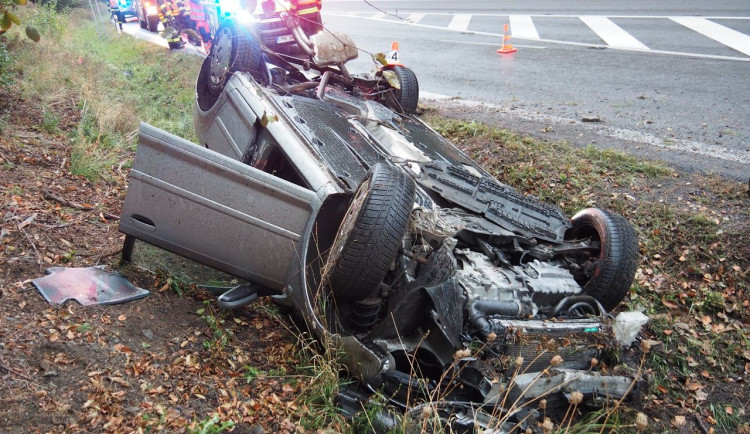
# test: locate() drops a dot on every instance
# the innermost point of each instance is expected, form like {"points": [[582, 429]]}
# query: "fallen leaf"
{"points": [[166, 285], [678, 421], [729, 409], [700, 395], [122, 317], [122, 348], [119, 381], [706, 320]]}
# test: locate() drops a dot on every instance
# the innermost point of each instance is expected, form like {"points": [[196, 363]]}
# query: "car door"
{"points": [[215, 210]]}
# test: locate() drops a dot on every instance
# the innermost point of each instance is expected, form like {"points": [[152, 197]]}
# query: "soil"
{"points": [[152, 364]]}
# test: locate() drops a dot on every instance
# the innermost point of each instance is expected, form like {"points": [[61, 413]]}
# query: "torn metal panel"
{"points": [[88, 286]]}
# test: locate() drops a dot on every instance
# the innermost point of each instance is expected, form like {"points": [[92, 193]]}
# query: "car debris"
{"points": [[441, 285], [88, 286]]}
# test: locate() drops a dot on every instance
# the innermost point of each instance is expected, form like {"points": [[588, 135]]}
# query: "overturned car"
{"points": [[440, 283]]}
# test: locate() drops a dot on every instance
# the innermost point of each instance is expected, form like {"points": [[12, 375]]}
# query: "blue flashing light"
{"points": [[230, 6]]}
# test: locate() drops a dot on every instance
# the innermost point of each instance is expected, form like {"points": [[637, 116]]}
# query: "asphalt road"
{"points": [[668, 79]]}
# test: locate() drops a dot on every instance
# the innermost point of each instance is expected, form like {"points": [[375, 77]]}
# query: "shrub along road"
{"points": [[173, 361]]}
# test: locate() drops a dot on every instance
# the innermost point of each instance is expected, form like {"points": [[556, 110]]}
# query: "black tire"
{"points": [[408, 95], [152, 24], [205, 99], [612, 270], [370, 234], [142, 23], [234, 49]]}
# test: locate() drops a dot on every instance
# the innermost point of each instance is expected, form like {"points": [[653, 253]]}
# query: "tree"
{"points": [[8, 18]]}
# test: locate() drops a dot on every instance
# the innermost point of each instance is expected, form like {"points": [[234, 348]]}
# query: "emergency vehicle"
{"points": [[266, 17]]}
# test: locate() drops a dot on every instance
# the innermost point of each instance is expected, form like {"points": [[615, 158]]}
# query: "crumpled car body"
{"points": [[440, 283]]}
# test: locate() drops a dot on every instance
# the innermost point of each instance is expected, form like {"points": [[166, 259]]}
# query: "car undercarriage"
{"points": [[442, 286]]}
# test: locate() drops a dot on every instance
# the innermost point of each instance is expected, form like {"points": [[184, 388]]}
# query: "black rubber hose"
{"points": [[576, 299], [479, 310]]}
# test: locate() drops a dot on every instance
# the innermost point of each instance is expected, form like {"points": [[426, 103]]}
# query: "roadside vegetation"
{"points": [[69, 112], [694, 278]]}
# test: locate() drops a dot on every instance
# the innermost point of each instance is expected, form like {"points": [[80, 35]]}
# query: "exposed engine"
{"points": [[497, 276], [532, 286]]}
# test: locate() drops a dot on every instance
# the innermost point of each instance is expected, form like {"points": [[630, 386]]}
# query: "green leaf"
{"points": [[32, 33], [13, 17], [5, 21], [20, 2]]}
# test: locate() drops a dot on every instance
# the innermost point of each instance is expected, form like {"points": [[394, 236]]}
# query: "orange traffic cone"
{"points": [[507, 46]]}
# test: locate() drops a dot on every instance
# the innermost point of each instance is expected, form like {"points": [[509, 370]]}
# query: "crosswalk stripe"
{"points": [[522, 26], [612, 34], [460, 22], [729, 37], [414, 18]]}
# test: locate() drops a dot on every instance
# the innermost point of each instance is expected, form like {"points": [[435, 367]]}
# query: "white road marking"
{"points": [[414, 18], [611, 33], [679, 145], [729, 37], [522, 26], [557, 41], [662, 17], [460, 22]]}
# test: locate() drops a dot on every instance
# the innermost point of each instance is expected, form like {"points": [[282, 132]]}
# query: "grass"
{"points": [[112, 81], [693, 278], [219, 335], [548, 170], [212, 425]]}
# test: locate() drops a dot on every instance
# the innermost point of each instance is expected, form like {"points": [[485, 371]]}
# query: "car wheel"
{"points": [[609, 272], [142, 23], [205, 98], [153, 24], [408, 95], [234, 49], [370, 234]]}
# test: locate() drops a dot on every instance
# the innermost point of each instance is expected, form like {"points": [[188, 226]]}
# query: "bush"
{"points": [[48, 20], [6, 77], [63, 5]]}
